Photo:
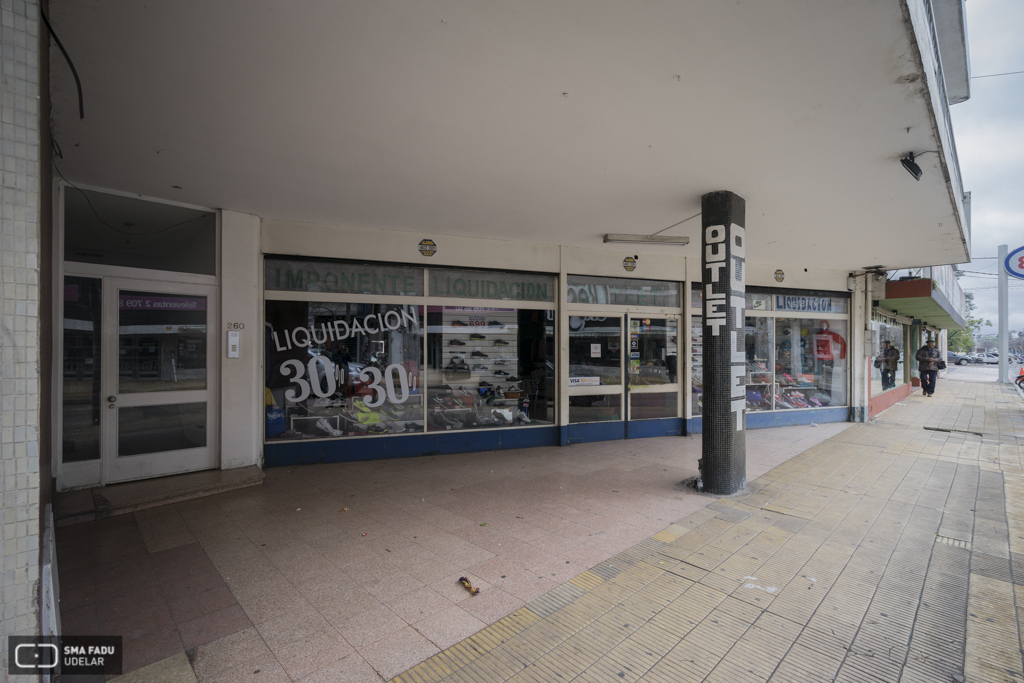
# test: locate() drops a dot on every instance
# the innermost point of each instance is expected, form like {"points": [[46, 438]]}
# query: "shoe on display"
{"points": [[495, 323], [324, 426], [501, 372], [479, 354], [514, 379], [501, 362], [480, 368], [485, 384], [498, 393], [458, 323], [522, 417], [456, 342], [500, 342], [477, 336]]}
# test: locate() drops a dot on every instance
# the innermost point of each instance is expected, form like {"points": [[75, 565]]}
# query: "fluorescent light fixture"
{"points": [[645, 239]]}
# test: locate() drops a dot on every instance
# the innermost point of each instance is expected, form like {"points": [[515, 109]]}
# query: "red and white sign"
{"points": [[1015, 263]]}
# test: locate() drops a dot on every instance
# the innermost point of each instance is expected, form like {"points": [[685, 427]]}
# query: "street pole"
{"points": [[1004, 317]]}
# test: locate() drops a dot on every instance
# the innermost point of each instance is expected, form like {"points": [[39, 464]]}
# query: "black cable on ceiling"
{"points": [[67, 58]]}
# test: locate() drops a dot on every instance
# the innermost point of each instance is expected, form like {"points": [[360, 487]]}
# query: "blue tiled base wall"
{"points": [[782, 418], [282, 454]]}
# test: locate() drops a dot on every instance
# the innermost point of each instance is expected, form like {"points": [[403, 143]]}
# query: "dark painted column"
{"points": [[723, 242]]}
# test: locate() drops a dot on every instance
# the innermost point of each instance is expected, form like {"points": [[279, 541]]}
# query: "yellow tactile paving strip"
{"points": [[887, 553]]}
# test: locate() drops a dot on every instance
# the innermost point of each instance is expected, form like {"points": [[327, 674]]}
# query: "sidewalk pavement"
{"points": [[890, 552], [350, 570], [885, 552]]}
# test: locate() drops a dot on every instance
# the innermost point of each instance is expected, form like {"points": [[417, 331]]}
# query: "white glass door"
{"points": [[652, 366], [160, 355]]}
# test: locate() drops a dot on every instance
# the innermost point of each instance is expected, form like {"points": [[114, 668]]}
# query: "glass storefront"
{"points": [[489, 367], [887, 366], [343, 369], [793, 362], [337, 369]]}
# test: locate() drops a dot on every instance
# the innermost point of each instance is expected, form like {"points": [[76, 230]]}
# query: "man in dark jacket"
{"points": [[928, 365]]}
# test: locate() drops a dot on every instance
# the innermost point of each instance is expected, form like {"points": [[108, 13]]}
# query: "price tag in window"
{"points": [[595, 350]]}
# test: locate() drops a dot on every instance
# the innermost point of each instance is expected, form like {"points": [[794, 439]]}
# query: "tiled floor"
{"points": [[349, 572], [894, 551]]}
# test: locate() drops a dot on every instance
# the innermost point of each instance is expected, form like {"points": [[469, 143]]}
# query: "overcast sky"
{"points": [[989, 131]]}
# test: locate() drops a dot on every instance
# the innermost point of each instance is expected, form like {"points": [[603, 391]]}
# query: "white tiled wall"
{"points": [[19, 329]]}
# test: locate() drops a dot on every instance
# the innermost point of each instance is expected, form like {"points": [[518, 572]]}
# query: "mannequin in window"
{"points": [[828, 348]]}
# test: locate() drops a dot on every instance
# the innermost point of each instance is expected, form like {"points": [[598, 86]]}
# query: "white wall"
{"points": [[241, 383], [19, 325]]}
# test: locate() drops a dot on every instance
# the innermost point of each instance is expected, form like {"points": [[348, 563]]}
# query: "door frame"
{"points": [[149, 465], [91, 473], [625, 314]]}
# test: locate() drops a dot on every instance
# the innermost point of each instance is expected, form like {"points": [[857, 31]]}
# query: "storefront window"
{"points": [[489, 367], [810, 363], [583, 289], [595, 351], [887, 370], [342, 369], [758, 340]]}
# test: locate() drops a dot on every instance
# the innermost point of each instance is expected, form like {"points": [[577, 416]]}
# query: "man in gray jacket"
{"points": [[928, 365]]}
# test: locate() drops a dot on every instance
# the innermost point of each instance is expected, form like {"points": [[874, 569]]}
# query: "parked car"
{"points": [[954, 358], [989, 359]]}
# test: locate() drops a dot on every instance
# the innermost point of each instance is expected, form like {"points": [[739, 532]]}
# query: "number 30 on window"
{"points": [[328, 376]]}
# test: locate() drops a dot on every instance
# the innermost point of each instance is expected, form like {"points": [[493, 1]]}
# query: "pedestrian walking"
{"points": [[928, 360]]}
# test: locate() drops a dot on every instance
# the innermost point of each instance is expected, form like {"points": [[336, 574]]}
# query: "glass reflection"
{"points": [[81, 404], [161, 342]]}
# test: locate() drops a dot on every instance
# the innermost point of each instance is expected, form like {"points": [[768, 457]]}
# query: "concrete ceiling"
{"points": [[551, 122]]}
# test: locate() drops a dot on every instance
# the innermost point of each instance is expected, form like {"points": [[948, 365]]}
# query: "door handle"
{"points": [[111, 400]]}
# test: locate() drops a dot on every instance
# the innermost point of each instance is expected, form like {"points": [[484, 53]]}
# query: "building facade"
{"points": [[227, 244]]}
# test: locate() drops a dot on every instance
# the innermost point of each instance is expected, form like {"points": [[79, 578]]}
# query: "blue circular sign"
{"points": [[1014, 264]]}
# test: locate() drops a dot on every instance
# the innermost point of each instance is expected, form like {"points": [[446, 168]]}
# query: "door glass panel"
{"points": [[594, 351], [652, 351], [112, 230], [651, 406], [595, 408], [161, 342], [81, 405], [153, 429]]}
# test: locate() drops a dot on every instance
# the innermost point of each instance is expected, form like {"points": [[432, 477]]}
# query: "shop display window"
{"points": [[758, 341], [652, 352], [810, 363], [595, 350], [887, 367], [615, 291], [601, 408], [342, 369], [489, 367]]}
